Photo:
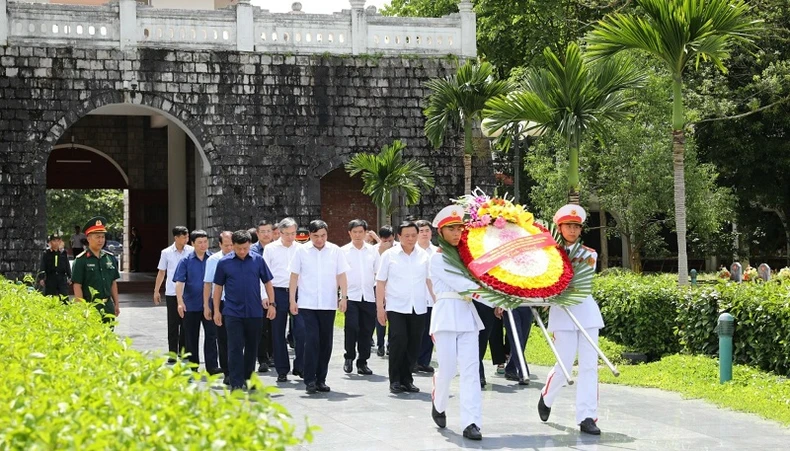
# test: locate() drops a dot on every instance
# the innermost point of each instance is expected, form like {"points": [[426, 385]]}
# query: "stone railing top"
{"points": [[125, 24]]}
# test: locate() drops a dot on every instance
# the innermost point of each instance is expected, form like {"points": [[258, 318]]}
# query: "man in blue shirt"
{"points": [[241, 273], [225, 247], [189, 295]]}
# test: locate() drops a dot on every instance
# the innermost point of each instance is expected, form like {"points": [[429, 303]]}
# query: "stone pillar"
{"points": [[468, 29], [200, 192], [176, 176], [128, 16], [359, 27], [245, 27], [3, 22]]}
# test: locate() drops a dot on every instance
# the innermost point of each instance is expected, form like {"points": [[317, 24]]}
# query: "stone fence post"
{"points": [[3, 22], [128, 19], [468, 29], [245, 27], [359, 27]]}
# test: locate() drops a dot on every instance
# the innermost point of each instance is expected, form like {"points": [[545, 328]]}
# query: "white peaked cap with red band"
{"points": [[570, 214], [451, 214]]}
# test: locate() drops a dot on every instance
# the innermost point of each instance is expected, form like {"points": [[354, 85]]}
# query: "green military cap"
{"points": [[95, 225]]}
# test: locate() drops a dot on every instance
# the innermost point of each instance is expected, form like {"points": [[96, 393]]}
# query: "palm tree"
{"points": [[386, 174], [570, 97], [677, 32], [458, 100]]}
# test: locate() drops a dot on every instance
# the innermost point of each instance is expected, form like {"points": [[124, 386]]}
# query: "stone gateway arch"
{"points": [[257, 107]]}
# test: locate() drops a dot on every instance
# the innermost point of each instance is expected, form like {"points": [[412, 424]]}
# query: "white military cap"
{"points": [[570, 214], [449, 215]]}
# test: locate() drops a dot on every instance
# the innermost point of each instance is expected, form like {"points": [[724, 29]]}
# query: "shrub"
{"points": [[70, 383], [639, 312]]}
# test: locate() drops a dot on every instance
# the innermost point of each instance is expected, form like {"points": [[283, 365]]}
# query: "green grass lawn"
{"points": [[696, 377]]}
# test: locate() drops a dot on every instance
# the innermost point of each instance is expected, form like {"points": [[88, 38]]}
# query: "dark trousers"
{"points": [[360, 320], [522, 316], [281, 360], [381, 334], [486, 314], [498, 342], [175, 332], [426, 347], [405, 337], [136, 261], [318, 330], [265, 341], [192, 323], [56, 285], [243, 336], [75, 251], [222, 342]]}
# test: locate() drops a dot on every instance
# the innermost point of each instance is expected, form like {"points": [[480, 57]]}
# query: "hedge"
{"points": [[651, 314], [68, 382]]}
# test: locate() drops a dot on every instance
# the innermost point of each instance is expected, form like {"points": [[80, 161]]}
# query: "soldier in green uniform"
{"points": [[55, 269], [96, 270]]}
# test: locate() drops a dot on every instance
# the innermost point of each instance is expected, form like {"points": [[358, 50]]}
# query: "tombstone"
{"points": [[764, 271], [736, 272]]}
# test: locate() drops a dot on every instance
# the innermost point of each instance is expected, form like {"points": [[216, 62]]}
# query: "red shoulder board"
{"points": [[439, 251]]}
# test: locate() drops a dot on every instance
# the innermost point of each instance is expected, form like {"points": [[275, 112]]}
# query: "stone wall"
{"points": [[270, 126]]}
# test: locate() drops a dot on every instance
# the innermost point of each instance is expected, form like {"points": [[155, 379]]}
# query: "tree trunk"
{"points": [[604, 258], [573, 172], [468, 151], [678, 162], [636, 261], [517, 164]]}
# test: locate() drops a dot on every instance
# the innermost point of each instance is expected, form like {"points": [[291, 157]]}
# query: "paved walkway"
{"points": [[361, 414]]}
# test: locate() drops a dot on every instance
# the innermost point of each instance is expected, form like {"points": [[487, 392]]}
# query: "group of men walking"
{"points": [[244, 295]]}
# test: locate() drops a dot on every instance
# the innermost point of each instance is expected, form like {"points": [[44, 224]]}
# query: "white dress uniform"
{"points": [[569, 340], [455, 326]]}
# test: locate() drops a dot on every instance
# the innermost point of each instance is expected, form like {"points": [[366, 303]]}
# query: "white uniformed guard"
{"points": [[569, 340], [455, 326]]}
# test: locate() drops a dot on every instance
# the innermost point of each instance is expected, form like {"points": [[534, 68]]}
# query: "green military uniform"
{"points": [[96, 273]]}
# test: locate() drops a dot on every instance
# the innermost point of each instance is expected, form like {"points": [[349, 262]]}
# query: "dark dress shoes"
{"points": [[298, 373], [588, 426], [380, 351], [214, 371], [347, 366], [322, 387], [472, 432], [263, 367], [425, 369], [411, 388], [483, 382], [363, 369], [396, 387], [311, 389], [543, 410], [282, 378], [439, 418], [512, 376]]}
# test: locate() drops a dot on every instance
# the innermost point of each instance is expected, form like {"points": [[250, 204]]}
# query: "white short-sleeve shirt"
{"points": [[168, 261], [362, 271], [277, 258], [211, 269], [406, 276], [318, 271], [431, 250]]}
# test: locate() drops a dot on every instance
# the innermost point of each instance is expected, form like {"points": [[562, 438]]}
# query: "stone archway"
{"points": [[78, 166]]}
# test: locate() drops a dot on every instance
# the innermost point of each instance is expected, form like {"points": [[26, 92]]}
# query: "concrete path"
{"points": [[361, 414]]}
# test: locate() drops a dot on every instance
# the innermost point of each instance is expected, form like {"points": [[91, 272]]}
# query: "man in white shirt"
{"points": [[278, 255], [426, 347], [362, 259], [318, 269], [225, 246], [76, 241], [169, 259], [400, 298], [385, 242]]}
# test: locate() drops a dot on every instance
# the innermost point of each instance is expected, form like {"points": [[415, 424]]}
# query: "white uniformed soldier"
{"points": [[569, 340], [455, 326]]}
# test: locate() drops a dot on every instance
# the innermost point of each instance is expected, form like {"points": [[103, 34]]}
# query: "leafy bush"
{"points": [[651, 314], [639, 312], [70, 383]]}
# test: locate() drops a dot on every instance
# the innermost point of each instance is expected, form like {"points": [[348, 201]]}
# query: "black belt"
{"points": [[281, 289]]}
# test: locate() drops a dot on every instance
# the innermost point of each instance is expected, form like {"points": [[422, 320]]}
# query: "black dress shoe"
{"points": [[263, 368], [298, 373], [483, 382], [410, 387], [439, 418], [512, 376], [380, 351], [396, 387], [347, 366], [588, 426], [523, 381], [363, 369], [425, 369], [472, 432], [214, 371], [322, 387], [282, 378], [311, 389], [543, 410]]}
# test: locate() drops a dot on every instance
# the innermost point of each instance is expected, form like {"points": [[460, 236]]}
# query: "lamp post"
{"points": [[525, 130]]}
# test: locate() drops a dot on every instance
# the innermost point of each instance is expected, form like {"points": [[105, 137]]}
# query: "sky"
{"points": [[313, 6]]}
